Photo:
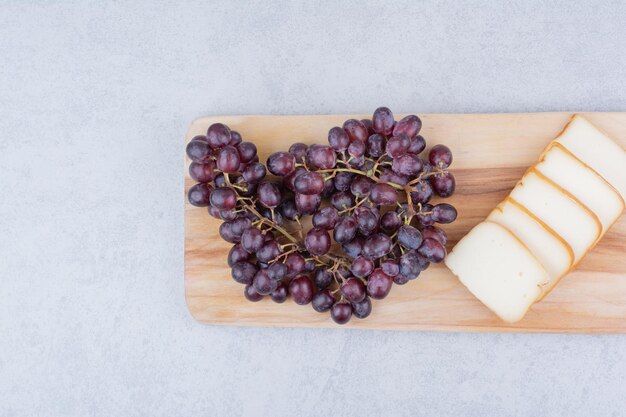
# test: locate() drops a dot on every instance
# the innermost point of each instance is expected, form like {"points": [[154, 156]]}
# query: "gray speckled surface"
{"points": [[94, 100]]}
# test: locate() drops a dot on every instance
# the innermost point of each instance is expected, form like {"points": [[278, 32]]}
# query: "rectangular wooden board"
{"points": [[491, 152]]}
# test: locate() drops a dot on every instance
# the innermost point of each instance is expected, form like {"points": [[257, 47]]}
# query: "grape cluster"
{"points": [[367, 195]]}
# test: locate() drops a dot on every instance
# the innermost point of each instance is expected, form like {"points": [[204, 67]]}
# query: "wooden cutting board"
{"points": [[491, 152]]}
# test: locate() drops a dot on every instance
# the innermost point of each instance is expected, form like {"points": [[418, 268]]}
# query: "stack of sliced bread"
{"points": [[555, 214]]}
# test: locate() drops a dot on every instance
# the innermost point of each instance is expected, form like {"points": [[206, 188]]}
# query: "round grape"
{"points": [[377, 246], [418, 144], [379, 284], [354, 247], [444, 213], [322, 278], [280, 294], [199, 195], [262, 283], [218, 135], [435, 233], [390, 267], [382, 121], [376, 146], [440, 156], [198, 151], [342, 200], [223, 198], [409, 237], [309, 183], [362, 309], [443, 184], [237, 254], [390, 222], [251, 294], [326, 218], [243, 272], [322, 301], [353, 290], [307, 204], [338, 139], [295, 264], [409, 125], [361, 186], [398, 145], [345, 230], [343, 180], [281, 163], [341, 312], [383, 194], [268, 194], [407, 164], [268, 251], [277, 271], [301, 290], [202, 172], [423, 192], [247, 152], [362, 267], [321, 157], [298, 150], [356, 130], [317, 241], [432, 251]]}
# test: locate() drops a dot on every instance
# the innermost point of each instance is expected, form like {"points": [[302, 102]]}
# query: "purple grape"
{"points": [[398, 145], [354, 247], [338, 139], [322, 301], [400, 279], [251, 294], [243, 272], [263, 284], [436, 233], [356, 130], [246, 189], [268, 251], [369, 125], [199, 195], [277, 271], [228, 159], [226, 232], [353, 290], [367, 220], [294, 263], [383, 194], [322, 278], [218, 135], [309, 183], [329, 188], [376, 146], [361, 186], [418, 144], [228, 215], [362, 267], [379, 284], [377, 246], [440, 156], [268, 194], [298, 150], [409, 125], [235, 138], [223, 198], [390, 222], [409, 237], [247, 151], [382, 121], [342, 200], [281, 163], [362, 309], [443, 184], [390, 267], [289, 180], [202, 172], [254, 172], [407, 164], [301, 290], [388, 175], [444, 213], [321, 157], [341, 312], [423, 192], [432, 250], [280, 294], [198, 151], [307, 204], [237, 254], [317, 241], [241, 224], [356, 149], [345, 230], [343, 180], [288, 209], [215, 212], [326, 218], [425, 217]]}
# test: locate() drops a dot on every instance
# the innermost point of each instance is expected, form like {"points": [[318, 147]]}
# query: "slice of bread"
{"points": [[498, 269], [566, 170], [597, 150], [558, 209], [550, 249]]}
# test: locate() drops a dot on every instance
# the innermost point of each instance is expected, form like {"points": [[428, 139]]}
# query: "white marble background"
{"points": [[95, 97]]}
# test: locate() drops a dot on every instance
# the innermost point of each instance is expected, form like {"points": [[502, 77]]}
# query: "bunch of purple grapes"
{"points": [[367, 195]]}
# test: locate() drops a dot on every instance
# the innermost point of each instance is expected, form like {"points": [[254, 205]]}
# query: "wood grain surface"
{"points": [[491, 152]]}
